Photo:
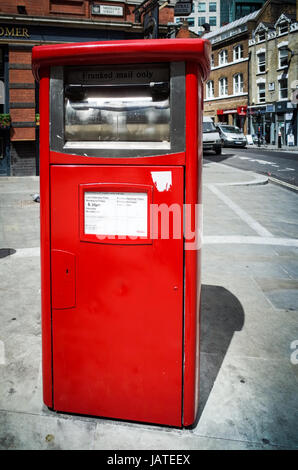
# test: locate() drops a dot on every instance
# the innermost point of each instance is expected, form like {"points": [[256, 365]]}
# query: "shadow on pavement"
{"points": [[211, 157], [221, 315], [6, 252]]}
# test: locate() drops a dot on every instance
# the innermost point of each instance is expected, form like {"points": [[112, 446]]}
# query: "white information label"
{"points": [[111, 10], [122, 214]]}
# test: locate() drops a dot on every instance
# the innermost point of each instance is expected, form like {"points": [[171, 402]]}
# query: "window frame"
{"points": [[191, 20], [283, 49], [210, 87], [238, 82], [212, 10], [214, 22], [201, 4], [284, 24], [223, 57], [238, 48], [223, 86], [280, 89], [201, 20], [261, 33], [261, 64], [263, 91]]}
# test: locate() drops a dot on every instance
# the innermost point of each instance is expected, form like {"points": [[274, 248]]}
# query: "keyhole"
{"points": [[67, 271]]}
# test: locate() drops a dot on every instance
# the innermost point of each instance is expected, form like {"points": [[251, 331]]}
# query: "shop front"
{"points": [[234, 117], [260, 124], [276, 123], [286, 122]]}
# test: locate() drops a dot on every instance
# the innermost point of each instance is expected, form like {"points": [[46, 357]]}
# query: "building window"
{"points": [[202, 7], [191, 22], [238, 52], [201, 20], [261, 62], [223, 86], [210, 89], [238, 83], [212, 20], [223, 57], [212, 6], [283, 89], [283, 28], [283, 57], [261, 93], [212, 60], [261, 36]]}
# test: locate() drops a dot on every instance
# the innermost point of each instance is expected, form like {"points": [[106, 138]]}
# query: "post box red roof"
{"points": [[123, 52]]}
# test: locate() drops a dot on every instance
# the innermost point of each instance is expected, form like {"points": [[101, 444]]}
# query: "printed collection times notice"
{"points": [[116, 213]]}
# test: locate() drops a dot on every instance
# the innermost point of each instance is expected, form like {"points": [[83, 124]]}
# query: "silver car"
{"points": [[231, 136]]}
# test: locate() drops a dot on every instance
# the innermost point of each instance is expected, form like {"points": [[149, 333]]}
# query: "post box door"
{"points": [[118, 331]]}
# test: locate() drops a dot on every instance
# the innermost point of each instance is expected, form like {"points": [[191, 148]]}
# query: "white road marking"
{"points": [[261, 162], [2, 353], [287, 169], [242, 239], [258, 228], [27, 252]]}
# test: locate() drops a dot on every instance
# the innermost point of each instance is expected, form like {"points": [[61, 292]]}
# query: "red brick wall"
{"points": [[20, 133], [21, 96], [76, 9], [33, 7], [18, 59]]}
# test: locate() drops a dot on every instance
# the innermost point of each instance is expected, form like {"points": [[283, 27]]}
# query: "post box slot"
{"points": [[117, 113], [159, 90]]}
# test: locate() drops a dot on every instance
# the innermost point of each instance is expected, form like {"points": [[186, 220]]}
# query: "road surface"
{"points": [[278, 164]]}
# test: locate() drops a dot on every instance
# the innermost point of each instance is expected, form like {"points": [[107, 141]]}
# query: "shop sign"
{"points": [[183, 8], [281, 106], [241, 110], [14, 32], [288, 116], [226, 111], [270, 108], [271, 86]]}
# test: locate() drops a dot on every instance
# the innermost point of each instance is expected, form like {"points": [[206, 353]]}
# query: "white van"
{"points": [[211, 137]]}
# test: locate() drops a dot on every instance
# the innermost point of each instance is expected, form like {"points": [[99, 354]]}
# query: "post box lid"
{"points": [[123, 52]]}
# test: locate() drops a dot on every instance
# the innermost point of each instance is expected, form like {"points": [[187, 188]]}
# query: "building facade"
{"points": [[232, 10], [273, 49], [226, 93], [202, 12], [25, 23]]}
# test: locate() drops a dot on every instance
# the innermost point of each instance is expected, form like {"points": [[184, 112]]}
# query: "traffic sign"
{"points": [[183, 8]]}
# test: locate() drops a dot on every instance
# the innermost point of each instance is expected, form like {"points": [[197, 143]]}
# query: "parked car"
{"points": [[211, 137], [231, 136]]}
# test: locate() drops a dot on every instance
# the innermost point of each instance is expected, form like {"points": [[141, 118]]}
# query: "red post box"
{"points": [[120, 152]]}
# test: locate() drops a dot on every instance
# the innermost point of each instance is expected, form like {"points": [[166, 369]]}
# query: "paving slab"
{"points": [[249, 323]]}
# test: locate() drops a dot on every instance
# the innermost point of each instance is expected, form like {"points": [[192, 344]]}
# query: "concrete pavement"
{"points": [[249, 326]]}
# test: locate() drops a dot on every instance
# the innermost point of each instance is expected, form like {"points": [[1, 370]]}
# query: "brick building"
{"points": [[25, 23], [274, 74], [226, 93]]}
